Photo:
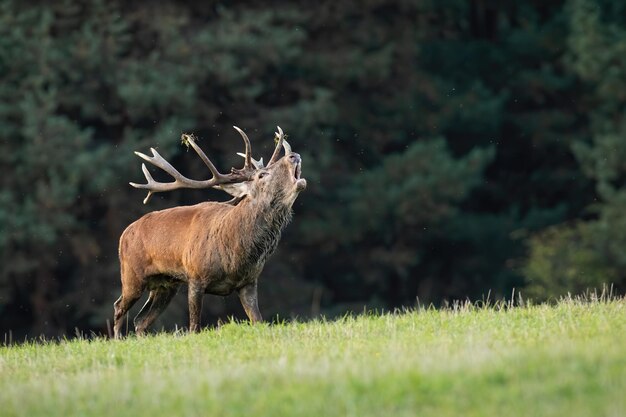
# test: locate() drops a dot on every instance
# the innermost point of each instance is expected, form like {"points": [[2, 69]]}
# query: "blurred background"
{"points": [[453, 149]]}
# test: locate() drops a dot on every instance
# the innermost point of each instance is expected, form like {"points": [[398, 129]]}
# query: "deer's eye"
{"points": [[262, 174]]}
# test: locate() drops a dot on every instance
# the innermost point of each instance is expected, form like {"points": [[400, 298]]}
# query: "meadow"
{"points": [[534, 360]]}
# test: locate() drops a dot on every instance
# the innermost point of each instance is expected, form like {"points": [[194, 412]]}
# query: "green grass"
{"points": [[563, 360]]}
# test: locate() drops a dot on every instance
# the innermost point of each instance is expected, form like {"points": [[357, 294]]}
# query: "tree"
{"points": [[587, 254], [436, 137]]}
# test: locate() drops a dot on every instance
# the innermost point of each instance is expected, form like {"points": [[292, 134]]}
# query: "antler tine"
{"points": [[148, 178], [279, 145], [256, 164], [287, 147], [248, 156], [190, 140]]}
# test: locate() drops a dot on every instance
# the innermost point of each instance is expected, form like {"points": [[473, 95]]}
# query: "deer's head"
{"points": [[279, 182]]}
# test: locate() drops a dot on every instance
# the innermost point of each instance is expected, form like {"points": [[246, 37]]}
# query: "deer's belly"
{"points": [[227, 284], [223, 287]]}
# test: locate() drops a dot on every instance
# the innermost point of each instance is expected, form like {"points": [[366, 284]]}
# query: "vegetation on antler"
{"points": [[185, 139]]}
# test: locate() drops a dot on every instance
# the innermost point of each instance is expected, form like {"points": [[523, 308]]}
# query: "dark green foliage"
{"points": [[437, 137], [591, 253], [388, 217], [566, 259]]}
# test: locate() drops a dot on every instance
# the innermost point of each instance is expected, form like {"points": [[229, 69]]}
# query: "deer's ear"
{"points": [[238, 189]]}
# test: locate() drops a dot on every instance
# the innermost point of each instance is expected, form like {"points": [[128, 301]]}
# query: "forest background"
{"points": [[453, 149]]}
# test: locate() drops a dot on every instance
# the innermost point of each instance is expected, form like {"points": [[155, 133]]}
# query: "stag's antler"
{"points": [[248, 164], [226, 182], [280, 137], [180, 181]]}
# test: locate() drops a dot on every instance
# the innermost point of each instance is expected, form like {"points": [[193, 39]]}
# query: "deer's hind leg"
{"points": [[132, 288], [158, 300], [121, 307]]}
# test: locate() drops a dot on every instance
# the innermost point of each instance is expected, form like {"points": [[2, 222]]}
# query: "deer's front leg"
{"points": [[249, 300], [195, 294]]}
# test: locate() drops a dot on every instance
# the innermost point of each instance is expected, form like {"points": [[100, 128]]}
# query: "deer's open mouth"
{"points": [[300, 182], [298, 171]]}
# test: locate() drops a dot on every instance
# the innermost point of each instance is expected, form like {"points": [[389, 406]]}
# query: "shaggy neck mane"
{"points": [[264, 223]]}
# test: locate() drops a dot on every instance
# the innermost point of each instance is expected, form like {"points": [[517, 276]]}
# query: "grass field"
{"points": [[563, 360]]}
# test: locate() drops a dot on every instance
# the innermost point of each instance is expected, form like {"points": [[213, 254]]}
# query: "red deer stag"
{"points": [[215, 248]]}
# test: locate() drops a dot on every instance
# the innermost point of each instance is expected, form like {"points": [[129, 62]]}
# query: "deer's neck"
{"points": [[263, 224]]}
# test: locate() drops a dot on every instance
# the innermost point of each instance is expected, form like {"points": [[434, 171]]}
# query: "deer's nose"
{"points": [[295, 157]]}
